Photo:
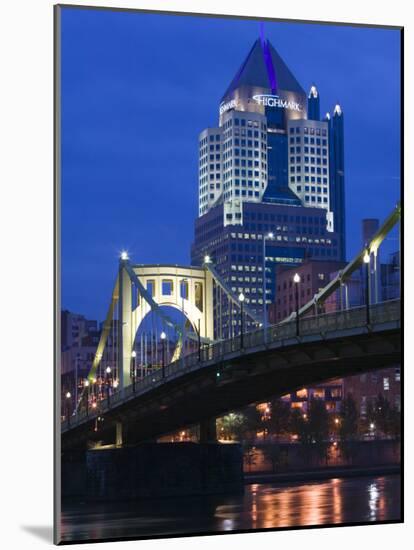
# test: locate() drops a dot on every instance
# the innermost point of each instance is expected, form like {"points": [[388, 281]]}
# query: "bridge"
{"points": [[223, 374]]}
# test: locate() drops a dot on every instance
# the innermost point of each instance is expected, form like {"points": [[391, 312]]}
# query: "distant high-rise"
{"points": [[268, 167], [337, 187], [314, 112]]}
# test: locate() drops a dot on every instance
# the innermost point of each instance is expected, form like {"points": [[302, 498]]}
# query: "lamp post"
{"points": [[296, 280], [366, 262], [241, 300], [199, 342], [163, 336], [108, 373], [68, 407], [183, 284], [269, 236], [134, 369], [86, 385]]}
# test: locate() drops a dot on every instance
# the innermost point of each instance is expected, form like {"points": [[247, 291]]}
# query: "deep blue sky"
{"points": [[136, 91]]}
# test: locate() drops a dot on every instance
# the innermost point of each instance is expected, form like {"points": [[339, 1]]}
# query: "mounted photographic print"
{"points": [[228, 274]]}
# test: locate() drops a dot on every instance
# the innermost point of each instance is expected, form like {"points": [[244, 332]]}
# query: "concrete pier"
{"points": [[153, 470]]}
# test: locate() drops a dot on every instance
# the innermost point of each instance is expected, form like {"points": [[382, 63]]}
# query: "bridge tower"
{"points": [[143, 288]]}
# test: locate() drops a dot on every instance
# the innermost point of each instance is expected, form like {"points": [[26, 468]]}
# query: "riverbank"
{"points": [[322, 473]]}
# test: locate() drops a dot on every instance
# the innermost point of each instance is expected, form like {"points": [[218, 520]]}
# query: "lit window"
{"points": [[386, 382]]}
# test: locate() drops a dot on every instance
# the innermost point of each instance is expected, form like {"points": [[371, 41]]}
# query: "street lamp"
{"points": [[108, 373], [269, 236], [366, 262], [86, 385], [183, 287], [296, 280], [163, 336], [199, 341], [134, 368], [241, 300], [68, 407]]}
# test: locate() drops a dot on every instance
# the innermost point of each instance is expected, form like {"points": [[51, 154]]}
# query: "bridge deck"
{"points": [[345, 325]]}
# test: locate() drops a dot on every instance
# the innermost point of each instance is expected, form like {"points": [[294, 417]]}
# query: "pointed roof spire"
{"points": [[337, 110], [263, 67], [313, 92]]}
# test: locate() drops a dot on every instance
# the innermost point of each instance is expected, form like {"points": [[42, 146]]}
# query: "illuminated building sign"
{"points": [[269, 100], [227, 106]]}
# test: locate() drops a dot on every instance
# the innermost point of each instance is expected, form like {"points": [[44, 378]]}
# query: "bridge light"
{"points": [[207, 259], [296, 278], [366, 257], [124, 255], [163, 336], [133, 354], [68, 395], [241, 297]]}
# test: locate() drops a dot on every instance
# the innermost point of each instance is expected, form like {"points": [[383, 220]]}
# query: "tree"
{"points": [[276, 455], [230, 426], [395, 422], [299, 425], [383, 414], [318, 420], [249, 455], [278, 422], [348, 426], [252, 420]]}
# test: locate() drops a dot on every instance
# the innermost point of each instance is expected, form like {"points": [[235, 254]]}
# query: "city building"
{"points": [[365, 388], [331, 393], [267, 174], [74, 327], [314, 275]]}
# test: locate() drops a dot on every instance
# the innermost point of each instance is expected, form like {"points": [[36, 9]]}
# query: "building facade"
{"points": [[266, 181], [314, 275]]}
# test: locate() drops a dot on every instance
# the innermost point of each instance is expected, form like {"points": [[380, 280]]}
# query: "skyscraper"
{"points": [[267, 177]]}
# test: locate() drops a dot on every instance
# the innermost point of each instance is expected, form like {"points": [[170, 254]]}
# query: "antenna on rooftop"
{"points": [[261, 26]]}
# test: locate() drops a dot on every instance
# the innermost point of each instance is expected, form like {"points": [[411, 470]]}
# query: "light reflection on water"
{"points": [[261, 506]]}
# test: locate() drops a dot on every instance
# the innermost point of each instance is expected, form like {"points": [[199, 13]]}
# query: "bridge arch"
{"points": [[180, 287]]}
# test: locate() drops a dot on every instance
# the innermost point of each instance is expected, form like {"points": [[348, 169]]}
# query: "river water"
{"points": [[333, 501]]}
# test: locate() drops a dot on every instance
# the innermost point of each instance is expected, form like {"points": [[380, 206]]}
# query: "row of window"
{"points": [[306, 130], [311, 189], [319, 200], [307, 141], [309, 160], [243, 122], [241, 193]]}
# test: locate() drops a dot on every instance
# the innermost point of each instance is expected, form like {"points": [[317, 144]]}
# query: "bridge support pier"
{"points": [[208, 431], [118, 434]]}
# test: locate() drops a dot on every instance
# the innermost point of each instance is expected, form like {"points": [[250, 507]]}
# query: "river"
{"points": [[268, 505]]}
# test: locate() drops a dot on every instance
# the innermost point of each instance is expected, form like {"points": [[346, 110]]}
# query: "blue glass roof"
{"points": [[265, 68]]}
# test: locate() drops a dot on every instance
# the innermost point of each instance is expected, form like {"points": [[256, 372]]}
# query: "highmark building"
{"points": [[271, 166]]}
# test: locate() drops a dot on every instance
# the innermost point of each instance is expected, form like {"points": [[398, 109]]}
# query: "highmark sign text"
{"points": [[269, 100]]}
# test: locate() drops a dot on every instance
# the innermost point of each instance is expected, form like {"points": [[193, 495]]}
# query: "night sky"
{"points": [[137, 89]]}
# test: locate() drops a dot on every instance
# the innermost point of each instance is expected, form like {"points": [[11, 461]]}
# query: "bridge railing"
{"points": [[281, 334]]}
